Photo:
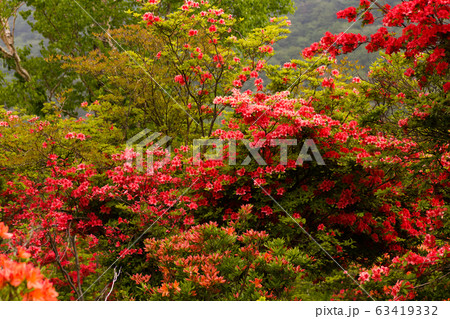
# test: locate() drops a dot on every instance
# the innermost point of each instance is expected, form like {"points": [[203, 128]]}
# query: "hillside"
{"points": [[312, 19]]}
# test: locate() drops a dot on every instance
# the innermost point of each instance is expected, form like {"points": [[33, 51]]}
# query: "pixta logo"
{"points": [[307, 152], [148, 138], [213, 149]]}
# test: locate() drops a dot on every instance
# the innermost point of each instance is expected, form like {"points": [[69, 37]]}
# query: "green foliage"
{"points": [[40, 138], [68, 29], [250, 13], [167, 78], [212, 263]]}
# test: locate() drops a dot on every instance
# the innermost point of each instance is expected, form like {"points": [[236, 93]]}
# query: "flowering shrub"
{"points": [[239, 227], [21, 280], [215, 263], [424, 31], [196, 55], [413, 276], [102, 212]]}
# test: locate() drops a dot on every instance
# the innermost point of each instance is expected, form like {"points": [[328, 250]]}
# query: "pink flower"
{"points": [[350, 14], [258, 81], [150, 18], [237, 83], [364, 3], [4, 231], [259, 181], [443, 14], [364, 276], [212, 28], [430, 241], [70, 135], [403, 122], [192, 32], [376, 274], [189, 220], [242, 77], [446, 87], [368, 18], [328, 82], [356, 80], [266, 48], [341, 136], [256, 282], [289, 65], [409, 72], [267, 210], [396, 288], [179, 79]]}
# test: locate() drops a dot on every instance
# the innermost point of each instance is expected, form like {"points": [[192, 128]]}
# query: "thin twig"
{"points": [[58, 262], [77, 265], [116, 276]]}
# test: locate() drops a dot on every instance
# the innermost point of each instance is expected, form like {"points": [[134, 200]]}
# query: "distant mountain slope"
{"points": [[24, 35], [310, 22]]}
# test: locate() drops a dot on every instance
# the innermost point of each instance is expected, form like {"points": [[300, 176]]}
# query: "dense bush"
{"points": [[356, 210]]}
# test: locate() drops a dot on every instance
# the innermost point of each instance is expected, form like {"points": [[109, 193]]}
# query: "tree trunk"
{"points": [[10, 51]]}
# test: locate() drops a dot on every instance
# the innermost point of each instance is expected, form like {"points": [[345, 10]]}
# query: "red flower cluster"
{"points": [[425, 29], [150, 18]]}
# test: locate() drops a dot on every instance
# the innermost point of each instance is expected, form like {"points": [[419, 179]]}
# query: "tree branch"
{"points": [[7, 37]]}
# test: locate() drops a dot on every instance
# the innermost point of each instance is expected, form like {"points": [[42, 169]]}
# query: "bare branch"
{"points": [[77, 266], [116, 276], [60, 266]]}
